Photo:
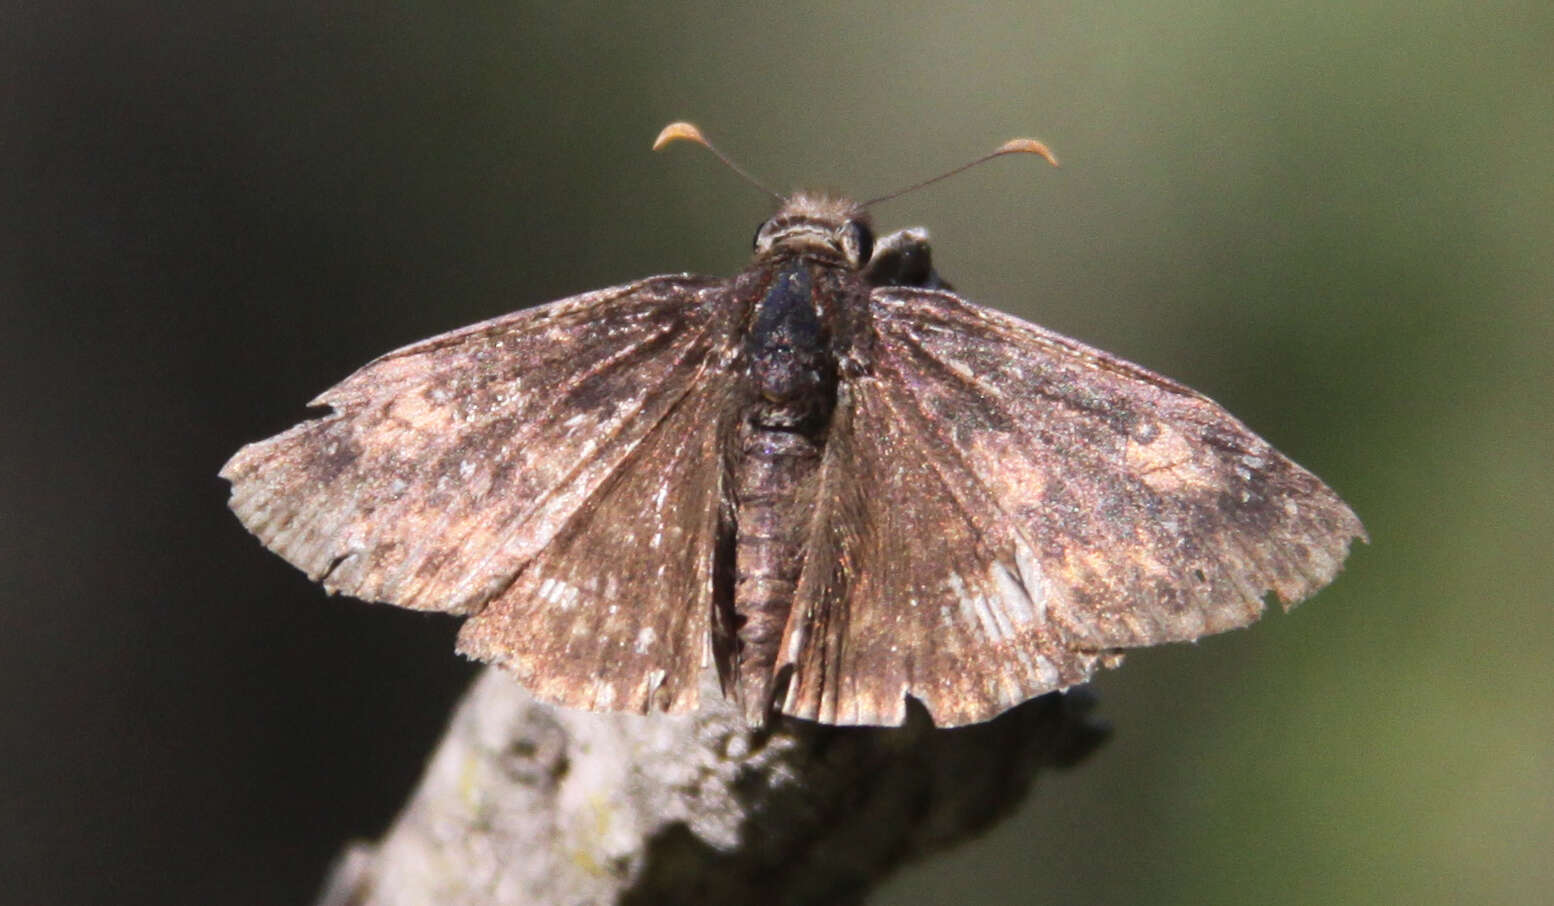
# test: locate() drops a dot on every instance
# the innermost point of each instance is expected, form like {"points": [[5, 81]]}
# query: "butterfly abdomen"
{"points": [[774, 481]]}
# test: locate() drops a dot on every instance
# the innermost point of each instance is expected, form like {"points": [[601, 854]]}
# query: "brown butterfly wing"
{"points": [[1034, 505], [615, 612], [913, 586], [448, 465]]}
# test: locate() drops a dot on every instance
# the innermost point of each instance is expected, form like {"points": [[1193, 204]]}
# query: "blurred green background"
{"points": [[1335, 218]]}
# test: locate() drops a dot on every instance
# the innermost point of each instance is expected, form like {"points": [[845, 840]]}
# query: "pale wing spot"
{"points": [[1018, 605], [1168, 463], [1025, 489], [999, 617], [645, 639], [959, 367], [418, 413], [792, 652], [1033, 579], [977, 610], [562, 594]]}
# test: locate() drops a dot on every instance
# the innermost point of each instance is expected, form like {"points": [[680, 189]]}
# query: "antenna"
{"points": [[1013, 146], [682, 131]]}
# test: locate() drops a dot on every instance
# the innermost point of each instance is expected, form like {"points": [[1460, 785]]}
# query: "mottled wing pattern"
{"points": [[1035, 505], [446, 466], [615, 613], [913, 584]]}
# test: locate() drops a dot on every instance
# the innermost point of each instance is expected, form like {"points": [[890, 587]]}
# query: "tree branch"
{"points": [[527, 803]]}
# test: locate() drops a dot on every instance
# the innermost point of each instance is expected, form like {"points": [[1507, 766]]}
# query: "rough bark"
{"points": [[527, 803]]}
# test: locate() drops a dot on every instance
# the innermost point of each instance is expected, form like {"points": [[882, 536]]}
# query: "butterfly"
{"points": [[830, 477]]}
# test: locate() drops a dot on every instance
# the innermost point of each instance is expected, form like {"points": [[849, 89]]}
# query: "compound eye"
{"points": [[858, 242]]}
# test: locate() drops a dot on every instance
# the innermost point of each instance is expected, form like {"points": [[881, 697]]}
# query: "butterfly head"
{"points": [[818, 226]]}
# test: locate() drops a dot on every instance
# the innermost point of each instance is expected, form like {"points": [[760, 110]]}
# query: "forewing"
{"points": [[615, 612], [1035, 505], [449, 464]]}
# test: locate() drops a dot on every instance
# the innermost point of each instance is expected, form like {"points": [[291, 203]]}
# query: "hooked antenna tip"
{"points": [[678, 132], [1018, 146], [1013, 146], [681, 131]]}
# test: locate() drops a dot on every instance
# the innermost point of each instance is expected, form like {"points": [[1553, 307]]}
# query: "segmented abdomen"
{"points": [[774, 483]]}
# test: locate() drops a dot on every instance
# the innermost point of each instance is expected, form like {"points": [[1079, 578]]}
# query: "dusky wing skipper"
{"points": [[830, 476]]}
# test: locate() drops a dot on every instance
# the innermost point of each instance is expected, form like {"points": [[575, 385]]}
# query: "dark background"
{"points": [[1333, 217]]}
